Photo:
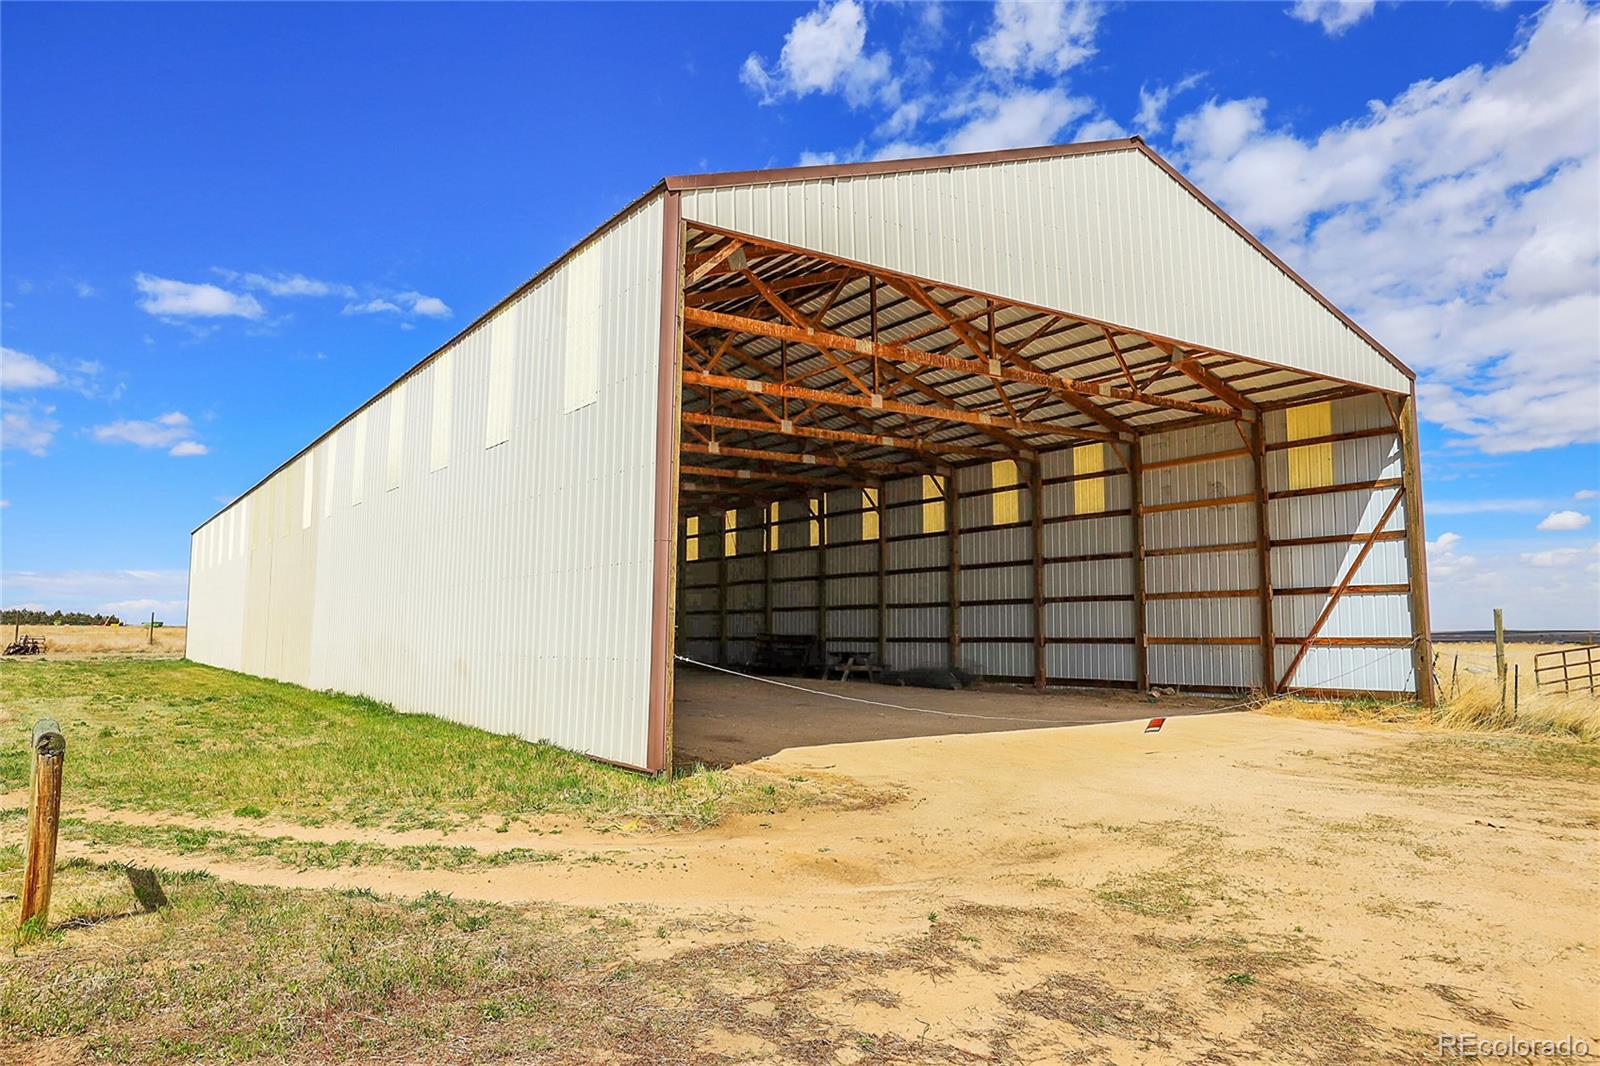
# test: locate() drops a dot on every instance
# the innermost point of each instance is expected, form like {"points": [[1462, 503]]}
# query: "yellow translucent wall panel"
{"points": [[869, 514], [1311, 466], [691, 539], [772, 527], [932, 504], [730, 533], [817, 507], [1089, 494], [1007, 505]]}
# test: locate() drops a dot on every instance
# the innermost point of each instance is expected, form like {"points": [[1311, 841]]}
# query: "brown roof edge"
{"points": [[894, 166], [1233, 224]]}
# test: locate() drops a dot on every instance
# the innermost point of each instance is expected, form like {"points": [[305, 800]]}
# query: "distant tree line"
{"points": [[28, 617]]}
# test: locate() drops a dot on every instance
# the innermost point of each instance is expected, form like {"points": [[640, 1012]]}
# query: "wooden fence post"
{"points": [[1500, 654], [44, 821]]}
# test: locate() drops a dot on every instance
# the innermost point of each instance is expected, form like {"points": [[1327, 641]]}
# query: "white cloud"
{"points": [[173, 431], [1564, 521], [287, 284], [374, 306], [182, 299], [1538, 589], [1335, 16], [1585, 494], [1034, 36], [429, 306], [1558, 558], [19, 370], [824, 51], [1027, 117], [1459, 222], [27, 427], [1153, 103]]}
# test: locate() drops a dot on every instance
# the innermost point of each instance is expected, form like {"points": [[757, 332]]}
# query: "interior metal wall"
{"points": [[508, 588], [1203, 612]]}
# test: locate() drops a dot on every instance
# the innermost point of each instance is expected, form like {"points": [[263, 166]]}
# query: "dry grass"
{"points": [[74, 641], [1470, 700]]}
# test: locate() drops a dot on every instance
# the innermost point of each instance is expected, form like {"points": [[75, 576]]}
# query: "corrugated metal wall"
{"points": [[1143, 251], [1203, 611], [476, 543]]}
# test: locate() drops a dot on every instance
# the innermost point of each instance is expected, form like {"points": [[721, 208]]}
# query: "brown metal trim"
{"points": [[668, 434], [827, 171]]}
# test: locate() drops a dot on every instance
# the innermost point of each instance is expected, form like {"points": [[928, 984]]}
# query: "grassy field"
{"points": [[1470, 700], [174, 736], [79, 641]]}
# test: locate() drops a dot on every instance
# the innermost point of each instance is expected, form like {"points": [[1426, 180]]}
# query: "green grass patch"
{"points": [[180, 737], [231, 973]]}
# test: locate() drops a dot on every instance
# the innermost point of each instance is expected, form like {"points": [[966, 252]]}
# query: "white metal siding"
{"points": [[505, 581], [1109, 236]]}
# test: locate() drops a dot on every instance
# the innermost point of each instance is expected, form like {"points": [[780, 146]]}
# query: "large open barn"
{"points": [[1044, 417]]}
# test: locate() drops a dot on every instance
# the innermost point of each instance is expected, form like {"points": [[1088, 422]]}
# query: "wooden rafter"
{"points": [[749, 473], [845, 436], [800, 458]]}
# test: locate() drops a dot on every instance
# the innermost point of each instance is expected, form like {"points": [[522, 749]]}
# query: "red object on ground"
{"points": [[1155, 725]]}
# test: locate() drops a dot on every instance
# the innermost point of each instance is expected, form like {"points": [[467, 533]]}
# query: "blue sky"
{"points": [[227, 225]]}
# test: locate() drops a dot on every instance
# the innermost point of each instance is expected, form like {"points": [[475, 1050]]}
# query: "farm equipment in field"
{"points": [[25, 646]]}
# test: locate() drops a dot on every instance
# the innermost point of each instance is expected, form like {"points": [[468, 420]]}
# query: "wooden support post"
{"points": [[952, 529], [44, 822], [768, 546], [882, 597], [1500, 648], [1269, 667], [1036, 507], [152, 627], [1416, 552], [1141, 667], [722, 593], [821, 513]]}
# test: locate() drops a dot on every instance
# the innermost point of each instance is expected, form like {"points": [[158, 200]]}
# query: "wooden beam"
{"points": [[709, 263], [1327, 609], [882, 582], [1190, 367], [1141, 665], [742, 292], [952, 529], [1258, 454], [877, 403], [862, 347], [749, 474], [800, 458], [1416, 549], [845, 436], [1036, 517]]}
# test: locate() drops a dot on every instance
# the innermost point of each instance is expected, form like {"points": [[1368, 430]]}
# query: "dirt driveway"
{"points": [[1235, 888]]}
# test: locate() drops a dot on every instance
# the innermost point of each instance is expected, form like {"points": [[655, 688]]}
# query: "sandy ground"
{"points": [[719, 719], [1234, 888], [95, 641]]}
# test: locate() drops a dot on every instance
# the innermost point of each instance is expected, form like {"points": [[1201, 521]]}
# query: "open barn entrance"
{"points": [[885, 478]]}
